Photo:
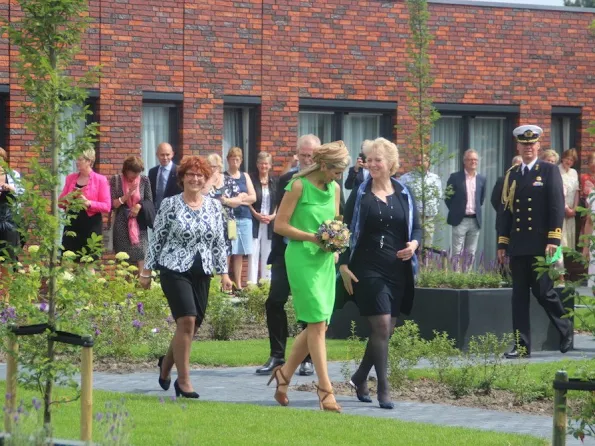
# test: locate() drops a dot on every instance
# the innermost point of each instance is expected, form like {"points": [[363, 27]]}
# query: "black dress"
{"points": [[83, 226], [381, 275], [9, 236]]}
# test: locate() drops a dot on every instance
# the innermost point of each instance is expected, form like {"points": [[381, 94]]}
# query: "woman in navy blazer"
{"points": [[379, 266]]}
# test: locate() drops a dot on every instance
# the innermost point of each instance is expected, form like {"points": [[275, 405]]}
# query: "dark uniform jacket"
{"points": [[273, 182], [457, 202], [533, 210]]}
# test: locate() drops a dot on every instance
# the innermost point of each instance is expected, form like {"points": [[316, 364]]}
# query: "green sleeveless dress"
{"points": [[310, 270]]}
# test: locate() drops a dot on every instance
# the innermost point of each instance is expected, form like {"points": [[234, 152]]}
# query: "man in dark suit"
{"points": [[465, 194], [531, 225], [358, 173], [279, 291], [163, 178]]}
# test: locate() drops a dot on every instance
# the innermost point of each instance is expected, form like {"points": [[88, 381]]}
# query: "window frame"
{"points": [[250, 104]]}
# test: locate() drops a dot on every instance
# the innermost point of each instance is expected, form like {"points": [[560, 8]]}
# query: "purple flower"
{"points": [[99, 416], [36, 403], [140, 308], [137, 324], [8, 314], [129, 296], [169, 320], [97, 332], [43, 307]]}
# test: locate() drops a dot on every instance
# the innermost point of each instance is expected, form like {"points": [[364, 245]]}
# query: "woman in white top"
{"points": [[263, 213], [571, 197]]}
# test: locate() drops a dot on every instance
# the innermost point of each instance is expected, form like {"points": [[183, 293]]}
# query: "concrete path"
{"points": [[242, 385]]}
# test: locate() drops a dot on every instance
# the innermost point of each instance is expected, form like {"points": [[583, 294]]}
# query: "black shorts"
{"points": [[187, 293], [375, 295]]}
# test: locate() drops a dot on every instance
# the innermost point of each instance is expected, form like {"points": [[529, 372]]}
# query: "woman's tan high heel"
{"points": [[280, 397], [331, 407]]}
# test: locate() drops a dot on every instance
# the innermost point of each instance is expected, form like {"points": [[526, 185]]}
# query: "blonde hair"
{"points": [[89, 155], [570, 153], [3, 155], [264, 156], [388, 150], [550, 153], [213, 158], [334, 155], [235, 151]]}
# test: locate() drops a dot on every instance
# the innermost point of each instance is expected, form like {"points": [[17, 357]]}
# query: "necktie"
{"points": [[160, 185], [525, 170]]}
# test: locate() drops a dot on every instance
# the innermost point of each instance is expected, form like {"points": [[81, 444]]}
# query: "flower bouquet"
{"points": [[333, 235]]}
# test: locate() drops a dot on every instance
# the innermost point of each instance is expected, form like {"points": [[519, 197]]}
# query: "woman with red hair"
{"points": [[187, 246]]}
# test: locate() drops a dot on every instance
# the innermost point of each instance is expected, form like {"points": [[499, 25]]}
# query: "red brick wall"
{"points": [[281, 50]]}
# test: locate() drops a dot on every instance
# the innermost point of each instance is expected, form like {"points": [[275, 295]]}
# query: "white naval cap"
{"points": [[527, 134]]}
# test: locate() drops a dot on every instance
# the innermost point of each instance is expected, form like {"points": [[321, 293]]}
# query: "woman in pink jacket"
{"points": [[93, 189]]}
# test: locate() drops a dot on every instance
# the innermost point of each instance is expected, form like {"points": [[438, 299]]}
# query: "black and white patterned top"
{"points": [[229, 189], [179, 232]]}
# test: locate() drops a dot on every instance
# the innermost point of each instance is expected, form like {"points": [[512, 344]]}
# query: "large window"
{"points": [[239, 128], [160, 123], [488, 132], [351, 121], [565, 128]]}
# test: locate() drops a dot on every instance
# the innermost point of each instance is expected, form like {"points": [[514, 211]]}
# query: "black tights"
{"points": [[376, 355]]}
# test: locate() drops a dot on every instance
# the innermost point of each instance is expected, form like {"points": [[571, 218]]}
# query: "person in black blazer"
{"points": [[531, 225], [167, 168], [263, 212], [358, 173], [379, 266], [279, 291], [464, 206]]}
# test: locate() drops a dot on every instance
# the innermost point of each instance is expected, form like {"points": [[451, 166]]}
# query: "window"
{"points": [[351, 121], [487, 130], [239, 128], [160, 123], [91, 103], [565, 128], [4, 89]]}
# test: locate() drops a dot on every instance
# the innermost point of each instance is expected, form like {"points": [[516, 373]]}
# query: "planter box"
{"points": [[462, 314]]}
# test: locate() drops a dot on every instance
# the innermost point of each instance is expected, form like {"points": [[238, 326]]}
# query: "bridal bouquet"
{"points": [[334, 235]]}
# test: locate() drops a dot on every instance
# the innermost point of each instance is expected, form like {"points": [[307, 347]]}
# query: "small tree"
{"points": [[48, 36], [420, 108]]}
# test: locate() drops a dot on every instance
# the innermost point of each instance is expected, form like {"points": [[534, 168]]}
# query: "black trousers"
{"points": [[275, 309], [524, 278]]}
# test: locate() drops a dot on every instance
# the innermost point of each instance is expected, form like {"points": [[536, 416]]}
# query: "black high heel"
{"points": [[180, 392], [363, 397], [164, 383]]}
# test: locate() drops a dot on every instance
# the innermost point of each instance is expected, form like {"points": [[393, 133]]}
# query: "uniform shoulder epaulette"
{"points": [[507, 196]]}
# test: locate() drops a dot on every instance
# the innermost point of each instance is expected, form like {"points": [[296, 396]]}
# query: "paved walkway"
{"points": [[242, 385]]}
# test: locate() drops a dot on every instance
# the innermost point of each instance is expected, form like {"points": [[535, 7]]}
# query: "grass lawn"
{"points": [[242, 353], [190, 423]]}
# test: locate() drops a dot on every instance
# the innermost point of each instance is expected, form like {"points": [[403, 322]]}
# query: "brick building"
{"points": [[257, 73]]}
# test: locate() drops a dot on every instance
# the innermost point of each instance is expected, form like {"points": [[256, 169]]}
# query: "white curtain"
{"points": [[155, 130], [446, 131], [487, 137], [358, 127], [71, 137], [560, 134], [317, 123], [236, 131]]}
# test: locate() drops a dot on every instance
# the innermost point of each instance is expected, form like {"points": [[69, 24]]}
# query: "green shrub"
{"points": [[405, 350], [441, 353], [355, 351], [253, 299], [487, 351], [435, 278], [222, 315]]}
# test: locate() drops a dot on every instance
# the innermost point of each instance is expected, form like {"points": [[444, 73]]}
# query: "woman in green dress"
{"points": [[311, 198]]}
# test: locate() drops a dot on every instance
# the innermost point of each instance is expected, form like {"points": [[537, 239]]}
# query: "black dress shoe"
{"points": [[306, 369], [164, 383], [516, 354], [566, 343], [268, 367]]}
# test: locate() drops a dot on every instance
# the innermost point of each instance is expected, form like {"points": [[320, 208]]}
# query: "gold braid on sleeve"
{"points": [[508, 192]]}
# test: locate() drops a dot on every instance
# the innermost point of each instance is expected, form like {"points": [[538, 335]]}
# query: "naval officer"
{"points": [[530, 226]]}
